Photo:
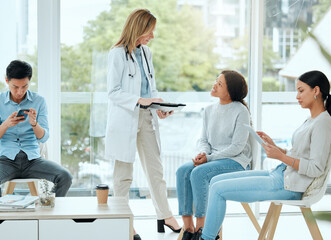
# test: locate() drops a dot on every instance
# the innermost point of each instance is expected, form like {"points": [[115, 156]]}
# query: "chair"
{"points": [[32, 182], [313, 194]]}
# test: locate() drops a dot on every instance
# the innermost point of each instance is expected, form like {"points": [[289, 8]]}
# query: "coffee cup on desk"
{"points": [[102, 191]]}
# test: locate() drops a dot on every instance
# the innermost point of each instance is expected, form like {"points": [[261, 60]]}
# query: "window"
{"points": [[18, 24]]}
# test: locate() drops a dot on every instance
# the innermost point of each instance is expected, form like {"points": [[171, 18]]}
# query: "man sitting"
{"points": [[19, 135]]}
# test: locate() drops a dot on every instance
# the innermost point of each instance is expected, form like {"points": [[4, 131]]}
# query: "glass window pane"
{"points": [[288, 51], [75, 146], [18, 25], [83, 72]]}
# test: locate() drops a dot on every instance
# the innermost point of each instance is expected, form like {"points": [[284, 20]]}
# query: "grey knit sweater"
{"points": [[311, 144], [223, 135]]}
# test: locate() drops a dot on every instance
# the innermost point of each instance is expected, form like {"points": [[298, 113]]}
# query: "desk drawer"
{"points": [[19, 229], [84, 229]]}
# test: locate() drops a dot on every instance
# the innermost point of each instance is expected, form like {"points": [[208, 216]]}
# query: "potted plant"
{"points": [[47, 194]]}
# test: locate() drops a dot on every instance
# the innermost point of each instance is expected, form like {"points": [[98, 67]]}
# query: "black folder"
{"points": [[167, 107]]}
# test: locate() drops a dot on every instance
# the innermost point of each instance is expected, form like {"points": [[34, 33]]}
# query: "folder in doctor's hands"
{"points": [[167, 107]]}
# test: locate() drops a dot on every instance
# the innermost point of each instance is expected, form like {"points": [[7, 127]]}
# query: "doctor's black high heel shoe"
{"points": [[160, 227]]}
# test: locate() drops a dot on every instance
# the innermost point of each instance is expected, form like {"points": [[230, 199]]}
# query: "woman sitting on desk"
{"points": [[223, 147], [306, 161]]}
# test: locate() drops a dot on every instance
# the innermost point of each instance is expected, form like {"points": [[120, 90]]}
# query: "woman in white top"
{"points": [[311, 144], [130, 124]]}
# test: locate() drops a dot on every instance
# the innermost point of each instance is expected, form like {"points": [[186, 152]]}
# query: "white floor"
{"points": [[236, 226]]}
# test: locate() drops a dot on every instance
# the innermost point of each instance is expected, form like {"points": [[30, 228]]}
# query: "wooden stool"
{"points": [[30, 181]]}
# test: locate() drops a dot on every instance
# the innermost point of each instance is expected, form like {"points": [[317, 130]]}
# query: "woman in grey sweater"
{"points": [[307, 160], [223, 147]]}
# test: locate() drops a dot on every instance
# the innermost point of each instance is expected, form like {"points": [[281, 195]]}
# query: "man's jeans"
{"points": [[248, 186], [39, 168], [193, 184]]}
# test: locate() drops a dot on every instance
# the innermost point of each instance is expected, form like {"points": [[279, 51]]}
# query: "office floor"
{"points": [[236, 226]]}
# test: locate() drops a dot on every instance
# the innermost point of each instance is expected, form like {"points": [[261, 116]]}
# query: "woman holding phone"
{"points": [[131, 124]]}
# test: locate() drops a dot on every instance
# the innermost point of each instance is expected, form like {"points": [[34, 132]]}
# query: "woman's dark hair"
{"points": [[237, 86], [317, 78], [18, 69]]}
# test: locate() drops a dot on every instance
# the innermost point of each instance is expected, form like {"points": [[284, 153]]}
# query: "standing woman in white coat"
{"points": [[131, 87]]}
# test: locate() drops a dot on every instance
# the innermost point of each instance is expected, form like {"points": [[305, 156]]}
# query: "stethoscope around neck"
{"points": [[128, 55]]}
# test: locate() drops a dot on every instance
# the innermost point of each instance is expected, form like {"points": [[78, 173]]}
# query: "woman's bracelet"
{"points": [[293, 163], [34, 125]]}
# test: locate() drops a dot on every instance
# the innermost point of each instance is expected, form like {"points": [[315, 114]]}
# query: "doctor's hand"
{"points": [[163, 115], [266, 138], [148, 101]]}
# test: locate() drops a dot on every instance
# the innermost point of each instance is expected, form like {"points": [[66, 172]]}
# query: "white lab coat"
{"points": [[123, 111]]}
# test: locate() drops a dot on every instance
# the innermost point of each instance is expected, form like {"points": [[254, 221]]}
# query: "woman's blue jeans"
{"points": [[193, 184], [248, 186]]}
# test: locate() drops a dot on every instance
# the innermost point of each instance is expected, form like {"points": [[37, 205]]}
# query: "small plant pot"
{"points": [[47, 200]]}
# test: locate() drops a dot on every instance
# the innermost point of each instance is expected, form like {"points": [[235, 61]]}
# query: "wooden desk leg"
{"points": [[311, 223]]}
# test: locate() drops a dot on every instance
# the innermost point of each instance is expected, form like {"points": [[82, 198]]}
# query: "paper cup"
{"points": [[102, 191]]}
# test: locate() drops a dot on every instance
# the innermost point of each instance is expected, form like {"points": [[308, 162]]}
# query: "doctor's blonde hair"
{"points": [[140, 22]]}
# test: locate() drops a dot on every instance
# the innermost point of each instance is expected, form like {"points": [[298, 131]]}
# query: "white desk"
{"points": [[71, 218]]}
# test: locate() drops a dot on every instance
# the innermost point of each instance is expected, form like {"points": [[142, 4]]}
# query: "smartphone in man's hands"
{"points": [[21, 113]]}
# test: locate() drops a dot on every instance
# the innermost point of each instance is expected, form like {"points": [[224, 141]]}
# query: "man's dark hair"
{"points": [[18, 69]]}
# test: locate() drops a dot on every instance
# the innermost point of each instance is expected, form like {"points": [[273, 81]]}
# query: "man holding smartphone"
{"points": [[20, 132]]}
